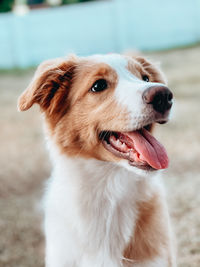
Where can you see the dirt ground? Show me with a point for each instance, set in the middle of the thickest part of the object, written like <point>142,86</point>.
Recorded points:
<point>24,165</point>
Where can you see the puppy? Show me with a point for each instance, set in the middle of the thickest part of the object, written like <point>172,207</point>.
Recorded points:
<point>104,204</point>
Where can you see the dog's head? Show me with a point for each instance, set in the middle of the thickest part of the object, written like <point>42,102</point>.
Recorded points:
<point>103,107</point>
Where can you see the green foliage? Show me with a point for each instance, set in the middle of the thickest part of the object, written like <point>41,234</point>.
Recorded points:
<point>6,5</point>
<point>70,1</point>
<point>74,1</point>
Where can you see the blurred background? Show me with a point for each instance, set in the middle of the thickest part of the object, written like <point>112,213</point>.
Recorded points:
<point>34,30</point>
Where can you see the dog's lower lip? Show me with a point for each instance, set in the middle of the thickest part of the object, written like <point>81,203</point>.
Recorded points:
<point>144,167</point>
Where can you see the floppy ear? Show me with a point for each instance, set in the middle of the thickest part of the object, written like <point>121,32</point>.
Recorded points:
<point>50,85</point>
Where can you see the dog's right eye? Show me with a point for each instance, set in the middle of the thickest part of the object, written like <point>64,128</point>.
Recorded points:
<point>99,85</point>
<point>145,78</point>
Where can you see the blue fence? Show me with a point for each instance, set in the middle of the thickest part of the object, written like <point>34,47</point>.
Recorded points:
<point>97,27</point>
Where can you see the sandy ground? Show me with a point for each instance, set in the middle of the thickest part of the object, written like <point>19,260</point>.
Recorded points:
<point>24,165</point>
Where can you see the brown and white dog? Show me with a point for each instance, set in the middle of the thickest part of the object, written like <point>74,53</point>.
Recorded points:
<point>104,205</point>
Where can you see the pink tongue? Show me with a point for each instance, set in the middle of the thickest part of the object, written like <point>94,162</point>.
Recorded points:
<point>149,149</point>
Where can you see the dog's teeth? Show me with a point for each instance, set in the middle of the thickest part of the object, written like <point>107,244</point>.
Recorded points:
<point>113,137</point>
<point>118,142</point>
<point>123,145</point>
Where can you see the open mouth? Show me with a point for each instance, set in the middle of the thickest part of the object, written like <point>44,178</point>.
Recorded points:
<point>139,147</point>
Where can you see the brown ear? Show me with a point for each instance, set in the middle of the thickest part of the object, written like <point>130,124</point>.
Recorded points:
<point>50,85</point>
<point>152,69</point>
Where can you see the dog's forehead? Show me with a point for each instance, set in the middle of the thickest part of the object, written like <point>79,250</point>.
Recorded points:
<point>117,62</point>
<point>113,60</point>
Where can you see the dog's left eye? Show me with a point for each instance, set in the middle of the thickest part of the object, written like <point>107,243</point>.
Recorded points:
<point>99,85</point>
<point>145,78</point>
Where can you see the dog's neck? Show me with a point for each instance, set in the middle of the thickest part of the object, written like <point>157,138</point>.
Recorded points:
<point>97,174</point>
<point>101,177</point>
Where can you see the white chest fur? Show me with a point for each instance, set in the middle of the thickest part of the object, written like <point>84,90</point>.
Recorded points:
<point>90,212</point>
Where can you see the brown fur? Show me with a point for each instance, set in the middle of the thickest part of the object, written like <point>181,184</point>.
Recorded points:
<point>150,235</point>
<point>140,66</point>
<point>71,111</point>
<point>155,74</point>
<point>49,88</point>
<point>77,133</point>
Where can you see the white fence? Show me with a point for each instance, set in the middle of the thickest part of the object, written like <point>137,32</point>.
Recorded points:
<point>97,27</point>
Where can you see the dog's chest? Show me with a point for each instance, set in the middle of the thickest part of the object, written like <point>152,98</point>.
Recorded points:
<point>97,201</point>
<point>97,204</point>
<point>107,217</point>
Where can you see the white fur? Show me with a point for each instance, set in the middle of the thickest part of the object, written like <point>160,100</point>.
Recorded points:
<point>90,209</point>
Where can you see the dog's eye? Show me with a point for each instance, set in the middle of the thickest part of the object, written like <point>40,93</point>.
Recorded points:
<point>145,78</point>
<point>99,85</point>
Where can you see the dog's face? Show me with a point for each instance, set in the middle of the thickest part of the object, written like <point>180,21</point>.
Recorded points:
<point>103,107</point>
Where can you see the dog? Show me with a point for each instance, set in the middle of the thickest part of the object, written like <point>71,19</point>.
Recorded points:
<point>104,204</point>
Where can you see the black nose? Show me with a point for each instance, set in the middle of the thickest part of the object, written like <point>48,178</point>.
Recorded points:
<point>160,97</point>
